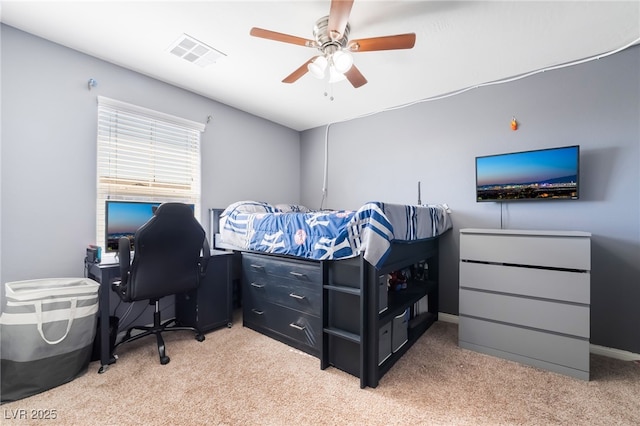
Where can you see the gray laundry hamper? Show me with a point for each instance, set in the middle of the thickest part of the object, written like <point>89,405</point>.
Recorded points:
<point>46,334</point>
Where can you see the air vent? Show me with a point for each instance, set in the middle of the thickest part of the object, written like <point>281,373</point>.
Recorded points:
<point>195,51</point>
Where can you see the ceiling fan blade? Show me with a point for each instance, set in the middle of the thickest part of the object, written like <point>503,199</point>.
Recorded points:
<point>400,41</point>
<point>355,77</point>
<point>285,38</point>
<point>294,76</point>
<point>338,17</point>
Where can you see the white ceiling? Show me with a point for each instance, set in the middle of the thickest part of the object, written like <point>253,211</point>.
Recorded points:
<point>459,45</point>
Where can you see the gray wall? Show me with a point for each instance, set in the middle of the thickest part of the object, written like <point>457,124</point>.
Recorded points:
<point>595,105</point>
<point>48,152</point>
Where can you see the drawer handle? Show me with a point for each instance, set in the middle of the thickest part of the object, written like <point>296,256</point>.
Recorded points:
<point>297,274</point>
<point>257,267</point>
<point>256,285</point>
<point>296,326</point>
<point>296,296</point>
<point>255,311</point>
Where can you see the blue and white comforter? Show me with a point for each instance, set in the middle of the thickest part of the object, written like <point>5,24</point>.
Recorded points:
<point>323,235</point>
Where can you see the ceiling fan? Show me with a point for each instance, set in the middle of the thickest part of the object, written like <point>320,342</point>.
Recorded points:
<point>331,39</point>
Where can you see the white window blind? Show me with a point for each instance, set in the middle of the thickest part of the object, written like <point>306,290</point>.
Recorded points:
<point>145,155</point>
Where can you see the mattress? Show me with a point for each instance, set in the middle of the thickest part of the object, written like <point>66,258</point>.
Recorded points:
<point>330,234</point>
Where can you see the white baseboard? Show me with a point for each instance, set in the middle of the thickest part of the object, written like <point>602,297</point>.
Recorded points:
<point>447,317</point>
<point>614,353</point>
<point>594,349</point>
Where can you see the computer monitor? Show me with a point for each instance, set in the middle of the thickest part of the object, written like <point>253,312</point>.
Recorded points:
<point>123,218</point>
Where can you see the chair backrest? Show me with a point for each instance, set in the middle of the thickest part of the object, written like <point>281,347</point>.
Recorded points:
<point>166,256</point>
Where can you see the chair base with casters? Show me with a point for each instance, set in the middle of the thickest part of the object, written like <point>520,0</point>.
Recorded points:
<point>158,328</point>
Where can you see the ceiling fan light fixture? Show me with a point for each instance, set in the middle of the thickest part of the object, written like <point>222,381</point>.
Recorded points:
<point>335,75</point>
<point>331,39</point>
<point>318,66</point>
<point>342,61</point>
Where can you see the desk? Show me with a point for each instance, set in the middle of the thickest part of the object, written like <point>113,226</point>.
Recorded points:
<point>207,307</point>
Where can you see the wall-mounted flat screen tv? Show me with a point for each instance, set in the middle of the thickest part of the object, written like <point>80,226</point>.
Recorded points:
<point>544,174</point>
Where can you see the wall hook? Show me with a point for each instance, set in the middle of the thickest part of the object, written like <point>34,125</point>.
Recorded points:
<point>92,83</point>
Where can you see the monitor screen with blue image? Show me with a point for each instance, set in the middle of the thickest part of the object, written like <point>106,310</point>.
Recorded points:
<point>123,218</point>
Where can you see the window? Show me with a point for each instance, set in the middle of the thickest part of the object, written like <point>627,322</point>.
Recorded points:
<point>144,155</point>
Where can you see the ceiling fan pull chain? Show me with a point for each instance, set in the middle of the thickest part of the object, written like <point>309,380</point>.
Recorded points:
<point>329,92</point>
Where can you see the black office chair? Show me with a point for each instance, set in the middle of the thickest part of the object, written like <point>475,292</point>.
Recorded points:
<point>167,260</point>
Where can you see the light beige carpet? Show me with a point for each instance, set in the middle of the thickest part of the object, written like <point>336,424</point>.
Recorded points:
<point>239,377</point>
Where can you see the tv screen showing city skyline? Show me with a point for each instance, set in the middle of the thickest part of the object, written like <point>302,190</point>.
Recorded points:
<point>540,174</point>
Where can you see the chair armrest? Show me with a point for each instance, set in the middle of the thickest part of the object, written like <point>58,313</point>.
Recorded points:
<point>206,254</point>
<point>124,260</point>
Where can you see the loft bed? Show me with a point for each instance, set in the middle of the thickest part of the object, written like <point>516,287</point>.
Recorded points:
<point>318,280</point>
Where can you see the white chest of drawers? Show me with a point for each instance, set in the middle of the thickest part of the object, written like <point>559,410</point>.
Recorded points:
<point>525,296</point>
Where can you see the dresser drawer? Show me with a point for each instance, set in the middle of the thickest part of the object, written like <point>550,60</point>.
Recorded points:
<point>533,313</point>
<point>554,251</point>
<point>552,348</point>
<point>287,283</point>
<point>300,327</point>
<point>288,293</point>
<point>534,282</point>
<point>255,267</point>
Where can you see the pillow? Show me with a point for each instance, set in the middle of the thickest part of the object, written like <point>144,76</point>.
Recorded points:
<point>292,208</point>
<point>249,206</point>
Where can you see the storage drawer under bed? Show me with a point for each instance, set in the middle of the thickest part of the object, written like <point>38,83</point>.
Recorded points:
<point>285,283</point>
<point>256,266</point>
<point>297,326</point>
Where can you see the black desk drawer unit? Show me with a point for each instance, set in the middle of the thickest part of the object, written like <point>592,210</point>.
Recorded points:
<point>210,305</point>
<point>282,298</point>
